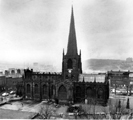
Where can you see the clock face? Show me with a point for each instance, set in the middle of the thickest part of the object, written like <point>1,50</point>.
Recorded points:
<point>69,70</point>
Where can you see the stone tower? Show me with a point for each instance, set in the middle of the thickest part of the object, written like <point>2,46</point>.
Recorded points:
<point>71,63</point>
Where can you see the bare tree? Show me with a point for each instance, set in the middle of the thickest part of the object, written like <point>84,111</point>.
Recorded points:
<point>128,104</point>
<point>46,111</point>
<point>89,109</point>
<point>116,109</point>
<point>106,112</point>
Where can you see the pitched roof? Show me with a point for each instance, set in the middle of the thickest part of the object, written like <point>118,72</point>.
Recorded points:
<point>92,77</point>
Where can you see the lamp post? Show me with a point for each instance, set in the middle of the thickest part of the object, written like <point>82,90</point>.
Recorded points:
<point>115,87</point>
<point>76,114</point>
<point>119,105</point>
<point>128,105</point>
<point>118,114</point>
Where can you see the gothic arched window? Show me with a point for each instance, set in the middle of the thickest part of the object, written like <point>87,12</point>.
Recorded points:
<point>62,93</point>
<point>45,89</point>
<point>78,91</point>
<point>69,64</point>
<point>89,92</point>
<point>100,93</point>
<point>28,88</point>
<point>52,89</point>
<point>36,88</point>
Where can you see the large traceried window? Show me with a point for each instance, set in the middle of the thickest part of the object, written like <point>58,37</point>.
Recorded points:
<point>45,89</point>
<point>62,92</point>
<point>100,93</point>
<point>78,91</point>
<point>89,92</point>
<point>52,90</point>
<point>28,88</point>
<point>36,88</point>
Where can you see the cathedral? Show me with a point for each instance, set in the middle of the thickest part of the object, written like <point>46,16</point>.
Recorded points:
<point>71,85</point>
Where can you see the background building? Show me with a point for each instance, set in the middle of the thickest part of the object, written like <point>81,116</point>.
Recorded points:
<point>121,80</point>
<point>2,83</point>
<point>40,86</point>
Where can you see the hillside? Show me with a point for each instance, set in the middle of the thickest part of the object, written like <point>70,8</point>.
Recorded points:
<point>107,64</point>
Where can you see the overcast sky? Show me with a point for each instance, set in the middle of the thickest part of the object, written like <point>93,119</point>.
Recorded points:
<point>37,30</point>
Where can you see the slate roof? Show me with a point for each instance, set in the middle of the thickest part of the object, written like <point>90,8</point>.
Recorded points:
<point>92,77</point>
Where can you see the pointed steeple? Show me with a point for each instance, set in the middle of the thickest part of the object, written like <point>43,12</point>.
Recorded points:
<point>83,79</point>
<point>72,43</point>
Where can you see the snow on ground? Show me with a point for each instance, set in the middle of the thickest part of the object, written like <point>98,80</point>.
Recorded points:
<point>21,106</point>
<point>13,114</point>
<point>30,107</point>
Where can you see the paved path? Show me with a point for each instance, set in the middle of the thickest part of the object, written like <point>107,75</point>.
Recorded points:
<point>124,117</point>
<point>62,110</point>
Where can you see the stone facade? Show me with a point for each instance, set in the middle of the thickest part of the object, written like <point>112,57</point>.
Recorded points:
<point>119,78</point>
<point>40,86</point>
<point>92,91</point>
<point>66,87</point>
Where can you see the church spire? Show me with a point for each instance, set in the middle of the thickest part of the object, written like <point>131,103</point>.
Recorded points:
<point>72,43</point>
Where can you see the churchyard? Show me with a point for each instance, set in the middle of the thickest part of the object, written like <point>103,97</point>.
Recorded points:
<point>29,109</point>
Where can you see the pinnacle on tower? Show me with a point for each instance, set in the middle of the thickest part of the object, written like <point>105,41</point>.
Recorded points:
<point>72,43</point>
<point>63,51</point>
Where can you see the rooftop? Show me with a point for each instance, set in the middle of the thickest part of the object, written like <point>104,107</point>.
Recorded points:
<point>92,77</point>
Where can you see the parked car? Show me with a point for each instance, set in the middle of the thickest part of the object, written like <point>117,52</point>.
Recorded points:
<point>5,94</point>
<point>75,108</point>
<point>12,92</point>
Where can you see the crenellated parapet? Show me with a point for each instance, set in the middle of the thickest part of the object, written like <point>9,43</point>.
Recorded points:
<point>30,75</point>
